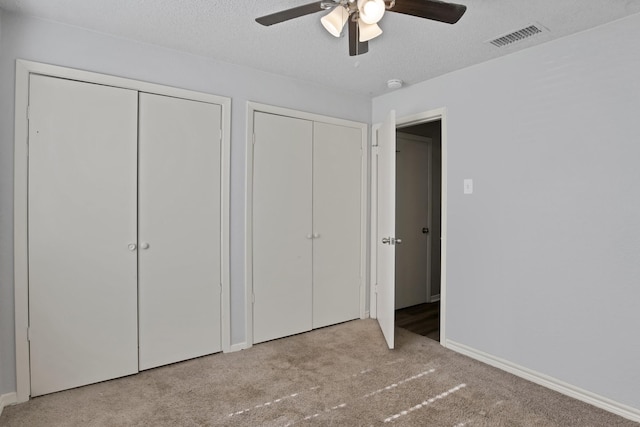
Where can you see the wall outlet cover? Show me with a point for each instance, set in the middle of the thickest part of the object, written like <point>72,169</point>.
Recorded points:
<point>468,186</point>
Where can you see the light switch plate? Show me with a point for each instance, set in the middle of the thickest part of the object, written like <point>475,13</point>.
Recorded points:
<point>468,186</point>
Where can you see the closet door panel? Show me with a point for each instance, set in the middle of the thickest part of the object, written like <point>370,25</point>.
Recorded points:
<point>179,229</point>
<point>337,160</point>
<point>281,222</point>
<point>82,219</point>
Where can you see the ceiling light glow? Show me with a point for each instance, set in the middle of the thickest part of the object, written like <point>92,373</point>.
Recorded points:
<point>371,11</point>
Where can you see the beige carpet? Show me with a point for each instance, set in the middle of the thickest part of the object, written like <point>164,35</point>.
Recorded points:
<point>337,376</point>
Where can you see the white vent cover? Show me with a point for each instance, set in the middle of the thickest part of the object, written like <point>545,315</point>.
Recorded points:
<point>518,35</point>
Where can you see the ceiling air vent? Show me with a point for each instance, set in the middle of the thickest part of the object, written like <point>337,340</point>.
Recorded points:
<point>518,35</point>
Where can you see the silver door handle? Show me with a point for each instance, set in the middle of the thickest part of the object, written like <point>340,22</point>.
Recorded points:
<point>391,241</point>
<point>132,247</point>
<point>145,245</point>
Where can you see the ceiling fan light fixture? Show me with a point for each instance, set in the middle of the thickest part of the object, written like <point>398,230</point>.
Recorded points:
<point>334,21</point>
<point>368,31</point>
<point>371,11</point>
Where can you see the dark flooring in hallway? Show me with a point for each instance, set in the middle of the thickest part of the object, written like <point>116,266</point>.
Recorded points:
<point>422,319</point>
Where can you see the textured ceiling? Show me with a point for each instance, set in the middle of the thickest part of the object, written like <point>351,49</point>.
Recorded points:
<point>411,49</point>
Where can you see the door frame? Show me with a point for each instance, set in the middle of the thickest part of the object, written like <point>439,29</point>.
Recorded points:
<point>21,163</point>
<point>253,107</point>
<point>402,122</point>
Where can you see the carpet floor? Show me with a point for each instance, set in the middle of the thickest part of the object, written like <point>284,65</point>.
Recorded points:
<point>337,376</point>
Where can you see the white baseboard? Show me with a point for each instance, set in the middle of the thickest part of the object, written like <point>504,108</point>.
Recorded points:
<point>567,389</point>
<point>434,298</point>
<point>7,399</point>
<point>366,315</point>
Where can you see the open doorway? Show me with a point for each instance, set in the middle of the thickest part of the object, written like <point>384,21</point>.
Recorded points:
<point>418,226</point>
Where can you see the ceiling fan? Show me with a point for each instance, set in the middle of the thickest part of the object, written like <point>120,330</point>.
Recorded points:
<point>363,16</point>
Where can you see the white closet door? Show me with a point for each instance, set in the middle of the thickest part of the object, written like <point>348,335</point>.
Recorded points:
<point>337,160</point>
<point>82,233</point>
<point>179,229</point>
<point>282,232</point>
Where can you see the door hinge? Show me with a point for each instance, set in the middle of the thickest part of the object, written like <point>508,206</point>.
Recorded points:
<point>28,334</point>
<point>28,112</point>
<point>253,139</point>
<point>220,288</point>
<point>221,134</point>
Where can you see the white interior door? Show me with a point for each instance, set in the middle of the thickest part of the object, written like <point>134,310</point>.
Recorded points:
<point>282,226</point>
<point>179,229</point>
<point>385,288</point>
<point>337,160</point>
<point>82,233</point>
<point>413,158</point>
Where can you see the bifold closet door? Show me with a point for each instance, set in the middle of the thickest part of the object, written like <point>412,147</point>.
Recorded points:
<point>337,176</point>
<point>82,233</point>
<point>282,226</point>
<point>179,232</point>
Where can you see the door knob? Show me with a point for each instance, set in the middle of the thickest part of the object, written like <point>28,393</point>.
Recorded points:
<point>316,235</point>
<point>132,247</point>
<point>425,230</point>
<point>391,241</point>
<point>309,236</point>
<point>144,245</point>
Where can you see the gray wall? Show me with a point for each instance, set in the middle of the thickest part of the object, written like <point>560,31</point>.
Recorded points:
<point>544,258</point>
<point>43,41</point>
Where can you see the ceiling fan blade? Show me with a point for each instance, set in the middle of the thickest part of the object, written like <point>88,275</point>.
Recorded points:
<point>295,12</point>
<point>356,47</point>
<point>448,13</point>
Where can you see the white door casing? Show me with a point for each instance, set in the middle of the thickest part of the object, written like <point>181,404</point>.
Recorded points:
<point>423,117</point>
<point>82,233</point>
<point>282,226</point>
<point>386,227</point>
<point>25,70</point>
<point>336,217</point>
<point>337,159</point>
<point>179,229</point>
